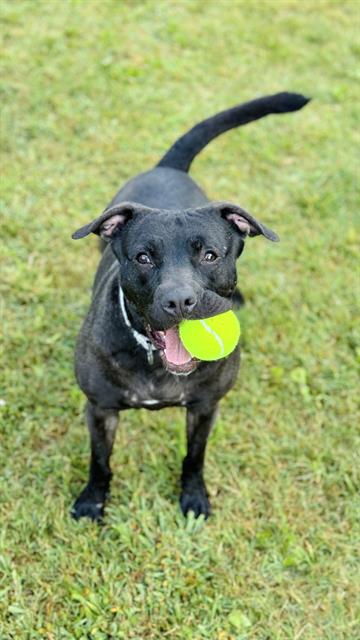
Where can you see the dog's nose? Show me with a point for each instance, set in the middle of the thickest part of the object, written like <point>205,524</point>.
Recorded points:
<point>179,303</point>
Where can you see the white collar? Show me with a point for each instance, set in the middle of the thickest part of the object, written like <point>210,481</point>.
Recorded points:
<point>142,340</point>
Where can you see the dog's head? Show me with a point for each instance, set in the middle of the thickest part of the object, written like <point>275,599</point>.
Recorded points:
<point>176,265</point>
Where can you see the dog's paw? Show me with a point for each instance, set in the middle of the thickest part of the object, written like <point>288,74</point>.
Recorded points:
<point>89,505</point>
<point>194,498</point>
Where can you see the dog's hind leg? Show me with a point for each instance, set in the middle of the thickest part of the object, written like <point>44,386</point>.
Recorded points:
<point>102,427</point>
<point>194,496</point>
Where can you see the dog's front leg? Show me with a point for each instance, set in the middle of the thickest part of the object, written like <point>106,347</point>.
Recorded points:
<point>194,496</point>
<point>102,427</point>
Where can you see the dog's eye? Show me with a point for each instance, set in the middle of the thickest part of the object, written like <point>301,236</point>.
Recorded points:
<point>143,258</point>
<point>210,256</point>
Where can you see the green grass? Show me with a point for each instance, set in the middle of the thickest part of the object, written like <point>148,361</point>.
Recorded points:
<point>93,92</point>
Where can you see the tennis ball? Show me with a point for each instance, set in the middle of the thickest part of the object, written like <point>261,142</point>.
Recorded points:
<point>211,338</point>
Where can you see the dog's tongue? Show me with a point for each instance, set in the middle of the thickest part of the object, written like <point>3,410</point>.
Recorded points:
<point>175,352</point>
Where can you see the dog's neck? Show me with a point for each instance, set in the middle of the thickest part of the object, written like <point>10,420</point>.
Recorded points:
<point>131,321</point>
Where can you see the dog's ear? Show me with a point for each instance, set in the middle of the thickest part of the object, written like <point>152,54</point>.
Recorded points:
<point>111,220</point>
<point>243,221</point>
<point>108,223</point>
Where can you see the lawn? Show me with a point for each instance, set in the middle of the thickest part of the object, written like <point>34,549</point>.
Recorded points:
<point>94,92</point>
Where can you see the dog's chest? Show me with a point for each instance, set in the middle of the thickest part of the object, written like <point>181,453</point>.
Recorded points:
<point>145,391</point>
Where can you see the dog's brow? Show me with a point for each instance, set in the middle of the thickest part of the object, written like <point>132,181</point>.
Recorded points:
<point>196,242</point>
<point>153,245</point>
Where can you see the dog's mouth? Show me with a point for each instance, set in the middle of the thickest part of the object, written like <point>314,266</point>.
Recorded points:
<point>175,357</point>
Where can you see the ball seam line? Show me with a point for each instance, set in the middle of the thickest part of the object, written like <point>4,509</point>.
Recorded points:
<point>219,341</point>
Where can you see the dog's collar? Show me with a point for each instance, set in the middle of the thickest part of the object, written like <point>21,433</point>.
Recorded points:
<point>142,340</point>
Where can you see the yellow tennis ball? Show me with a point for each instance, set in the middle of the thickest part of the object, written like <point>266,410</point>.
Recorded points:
<point>212,338</point>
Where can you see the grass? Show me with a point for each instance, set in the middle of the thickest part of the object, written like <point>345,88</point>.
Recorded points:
<point>93,92</point>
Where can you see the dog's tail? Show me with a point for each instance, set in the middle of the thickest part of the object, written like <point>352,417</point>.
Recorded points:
<point>184,150</point>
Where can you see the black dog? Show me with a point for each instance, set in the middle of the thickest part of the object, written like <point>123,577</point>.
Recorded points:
<point>172,255</point>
